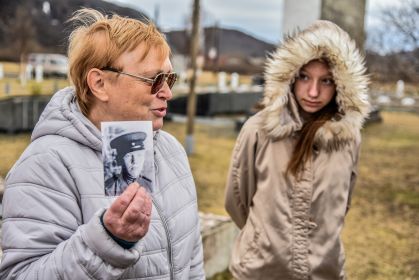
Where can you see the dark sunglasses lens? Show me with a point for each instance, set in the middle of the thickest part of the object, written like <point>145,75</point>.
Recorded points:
<point>160,79</point>
<point>158,83</point>
<point>171,79</point>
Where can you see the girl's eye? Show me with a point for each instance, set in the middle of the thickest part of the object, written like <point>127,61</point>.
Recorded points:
<point>328,81</point>
<point>302,77</point>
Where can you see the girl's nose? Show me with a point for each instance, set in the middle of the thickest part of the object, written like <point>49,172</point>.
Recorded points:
<point>314,90</point>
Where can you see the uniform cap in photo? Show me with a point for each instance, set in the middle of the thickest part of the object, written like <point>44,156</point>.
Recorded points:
<point>128,142</point>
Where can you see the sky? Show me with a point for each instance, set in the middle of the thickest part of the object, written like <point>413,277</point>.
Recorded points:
<point>259,18</point>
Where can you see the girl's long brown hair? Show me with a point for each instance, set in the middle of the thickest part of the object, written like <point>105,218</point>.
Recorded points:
<point>304,148</point>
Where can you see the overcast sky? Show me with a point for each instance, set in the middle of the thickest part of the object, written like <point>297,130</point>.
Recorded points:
<point>259,18</point>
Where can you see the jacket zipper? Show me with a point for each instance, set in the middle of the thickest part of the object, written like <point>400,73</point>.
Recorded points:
<point>169,244</point>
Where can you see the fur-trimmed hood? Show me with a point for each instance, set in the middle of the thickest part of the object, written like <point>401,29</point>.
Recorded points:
<point>322,39</point>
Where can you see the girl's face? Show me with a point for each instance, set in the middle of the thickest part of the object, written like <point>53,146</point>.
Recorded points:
<point>314,87</point>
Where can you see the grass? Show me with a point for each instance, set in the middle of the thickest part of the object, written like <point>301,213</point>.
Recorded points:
<point>381,231</point>
<point>13,87</point>
<point>12,147</point>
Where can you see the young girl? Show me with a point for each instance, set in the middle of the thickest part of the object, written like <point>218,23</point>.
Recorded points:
<point>294,164</point>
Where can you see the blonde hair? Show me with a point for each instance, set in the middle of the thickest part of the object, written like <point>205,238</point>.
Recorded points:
<point>98,40</point>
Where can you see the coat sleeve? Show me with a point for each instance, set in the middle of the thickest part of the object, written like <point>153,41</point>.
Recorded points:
<point>44,235</point>
<point>197,261</point>
<point>241,180</point>
<point>354,174</point>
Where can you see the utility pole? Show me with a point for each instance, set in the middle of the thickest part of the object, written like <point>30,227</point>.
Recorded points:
<point>191,109</point>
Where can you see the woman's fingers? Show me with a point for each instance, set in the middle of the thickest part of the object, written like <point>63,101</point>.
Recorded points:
<point>129,216</point>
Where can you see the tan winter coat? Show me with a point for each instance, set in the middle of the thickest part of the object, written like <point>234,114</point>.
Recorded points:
<point>290,229</point>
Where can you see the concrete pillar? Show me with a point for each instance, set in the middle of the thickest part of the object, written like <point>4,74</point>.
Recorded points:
<point>298,14</point>
<point>349,15</point>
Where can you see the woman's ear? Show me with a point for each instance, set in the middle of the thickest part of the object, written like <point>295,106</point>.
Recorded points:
<point>96,82</point>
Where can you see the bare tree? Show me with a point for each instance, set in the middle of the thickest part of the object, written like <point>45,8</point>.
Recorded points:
<point>404,20</point>
<point>191,107</point>
<point>393,45</point>
<point>398,29</point>
<point>20,32</point>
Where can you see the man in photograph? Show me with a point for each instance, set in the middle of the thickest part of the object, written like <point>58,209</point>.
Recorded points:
<point>130,157</point>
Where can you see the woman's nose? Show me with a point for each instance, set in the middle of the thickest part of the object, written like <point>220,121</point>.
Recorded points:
<point>165,92</point>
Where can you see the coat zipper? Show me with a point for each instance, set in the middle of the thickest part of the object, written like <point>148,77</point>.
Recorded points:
<point>169,244</point>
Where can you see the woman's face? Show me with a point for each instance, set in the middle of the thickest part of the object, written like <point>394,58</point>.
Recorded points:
<point>131,99</point>
<point>314,87</point>
<point>134,162</point>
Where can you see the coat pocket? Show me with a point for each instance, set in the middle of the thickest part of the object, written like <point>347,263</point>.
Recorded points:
<point>250,244</point>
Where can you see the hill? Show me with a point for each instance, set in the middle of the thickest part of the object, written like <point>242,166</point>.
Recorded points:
<point>34,26</point>
<point>31,26</point>
<point>233,50</point>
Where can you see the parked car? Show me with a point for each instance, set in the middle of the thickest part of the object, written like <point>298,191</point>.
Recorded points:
<point>53,65</point>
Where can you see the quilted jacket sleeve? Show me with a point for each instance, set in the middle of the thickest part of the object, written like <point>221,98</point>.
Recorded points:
<point>197,262</point>
<point>241,181</point>
<point>44,236</point>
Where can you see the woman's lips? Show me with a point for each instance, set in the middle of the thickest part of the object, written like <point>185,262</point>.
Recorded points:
<point>159,112</point>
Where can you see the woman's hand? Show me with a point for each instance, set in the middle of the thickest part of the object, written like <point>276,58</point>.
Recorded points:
<point>128,218</point>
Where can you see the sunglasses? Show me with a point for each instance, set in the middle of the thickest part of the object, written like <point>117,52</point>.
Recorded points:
<point>156,83</point>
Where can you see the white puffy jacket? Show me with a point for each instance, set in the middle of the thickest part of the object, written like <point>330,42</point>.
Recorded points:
<point>55,194</point>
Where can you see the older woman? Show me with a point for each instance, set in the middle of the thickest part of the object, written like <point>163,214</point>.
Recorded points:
<point>58,222</point>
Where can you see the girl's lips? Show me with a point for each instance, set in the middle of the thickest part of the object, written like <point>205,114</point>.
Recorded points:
<point>159,112</point>
<point>312,104</point>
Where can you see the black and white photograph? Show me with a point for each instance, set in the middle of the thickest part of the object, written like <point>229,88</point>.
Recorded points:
<point>127,155</point>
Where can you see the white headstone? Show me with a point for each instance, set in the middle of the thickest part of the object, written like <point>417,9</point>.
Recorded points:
<point>400,88</point>
<point>28,71</point>
<point>222,81</point>
<point>7,88</point>
<point>23,80</point>
<point>39,73</point>
<point>46,7</point>
<point>234,81</point>
<point>212,53</point>
<point>408,101</point>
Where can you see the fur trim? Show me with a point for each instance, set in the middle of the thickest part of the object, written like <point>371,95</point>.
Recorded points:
<point>321,39</point>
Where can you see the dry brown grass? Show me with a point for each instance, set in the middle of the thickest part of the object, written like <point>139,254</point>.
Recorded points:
<point>12,147</point>
<point>47,86</point>
<point>209,163</point>
<point>381,232</point>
